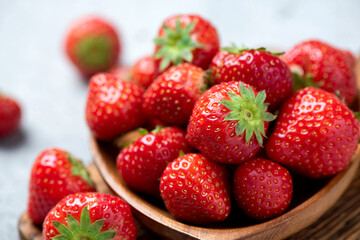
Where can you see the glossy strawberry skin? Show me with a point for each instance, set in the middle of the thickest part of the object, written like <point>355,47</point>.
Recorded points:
<point>113,106</point>
<point>171,97</point>
<point>211,135</point>
<point>262,188</point>
<point>195,189</point>
<point>142,163</point>
<point>331,68</point>
<point>260,69</point>
<point>204,33</point>
<point>144,71</point>
<point>114,210</point>
<point>80,45</point>
<point>316,134</point>
<point>10,115</point>
<point>51,179</point>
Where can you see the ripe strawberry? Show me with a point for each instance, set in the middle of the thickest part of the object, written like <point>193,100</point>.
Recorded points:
<point>142,163</point>
<point>228,122</point>
<point>262,189</point>
<point>195,189</point>
<point>171,97</point>
<point>327,67</point>
<point>10,115</point>
<point>92,44</point>
<point>90,216</point>
<point>350,57</point>
<point>55,174</point>
<point>144,71</point>
<point>121,72</point>
<point>316,134</point>
<point>257,67</point>
<point>113,106</point>
<point>188,38</point>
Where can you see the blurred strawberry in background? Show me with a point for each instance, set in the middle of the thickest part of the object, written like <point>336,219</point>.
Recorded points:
<point>10,115</point>
<point>93,45</point>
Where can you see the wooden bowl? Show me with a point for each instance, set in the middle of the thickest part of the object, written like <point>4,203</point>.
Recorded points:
<point>311,200</point>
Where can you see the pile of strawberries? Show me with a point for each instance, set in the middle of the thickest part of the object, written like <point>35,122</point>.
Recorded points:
<point>219,128</point>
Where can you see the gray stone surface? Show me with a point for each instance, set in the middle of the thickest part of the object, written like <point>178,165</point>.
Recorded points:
<point>34,70</point>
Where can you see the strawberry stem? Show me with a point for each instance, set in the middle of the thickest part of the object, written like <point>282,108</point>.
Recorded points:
<point>249,111</point>
<point>176,46</point>
<point>78,169</point>
<point>94,51</point>
<point>236,50</point>
<point>303,81</point>
<point>83,230</point>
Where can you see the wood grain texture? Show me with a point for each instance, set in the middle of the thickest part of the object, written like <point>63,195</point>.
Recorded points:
<point>312,199</point>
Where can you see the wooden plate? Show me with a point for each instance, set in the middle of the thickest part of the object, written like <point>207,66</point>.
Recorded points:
<point>311,200</point>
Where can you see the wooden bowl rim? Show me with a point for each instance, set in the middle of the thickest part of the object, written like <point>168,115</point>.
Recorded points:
<point>154,212</point>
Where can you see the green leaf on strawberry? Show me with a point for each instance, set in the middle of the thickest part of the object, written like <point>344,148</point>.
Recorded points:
<point>83,230</point>
<point>250,111</point>
<point>78,169</point>
<point>176,45</point>
<point>236,50</point>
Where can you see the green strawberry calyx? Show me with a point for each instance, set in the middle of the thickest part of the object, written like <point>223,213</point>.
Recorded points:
<point>304,81</point>
<point>176,46</point>
<point>94,51</point>
<point>249,111</point>
<point>83,230</point>
<point>78,169</point>
<point>237,50</point>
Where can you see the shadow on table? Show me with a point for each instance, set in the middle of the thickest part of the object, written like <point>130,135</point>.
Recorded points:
<point>13,140</point>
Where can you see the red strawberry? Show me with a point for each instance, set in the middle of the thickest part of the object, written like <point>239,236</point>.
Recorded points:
<point>171,97</point>
<point>229,122</point>
<point>257,67</point>
<point>55,174</point>
<point>93,45</point>
<point>350,57</point>
<point>327,67</point>
<point>90,216</point>
<point>262,188</point>
<point>142,163</point>
<point>188,38</point>
<point>195,189</point>
<point>10,115</point>
<point>113,106</point>
<point>121,72</point>
<point>144,71</point>
<point>316,134</point>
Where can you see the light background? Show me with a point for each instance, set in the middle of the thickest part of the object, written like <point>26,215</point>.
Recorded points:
<point>34,70</point>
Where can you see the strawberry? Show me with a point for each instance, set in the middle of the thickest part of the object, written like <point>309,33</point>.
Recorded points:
<point>324,66</point>
<point>10,115</point>
<point>350,57</point>
<point>113,106</point>
<point>257,67</point>
<point>91,216</point>
<point>144,71</point>
<point>121,72</point>
<point>55,174</point>
<point>228,122</point>
<point>316,134</point>
<point>142,163</point>
<point>188,38</point>
<point>195,189</point>
<point>171,97</point>
<point>262,188</point>
<point>92,44</point>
